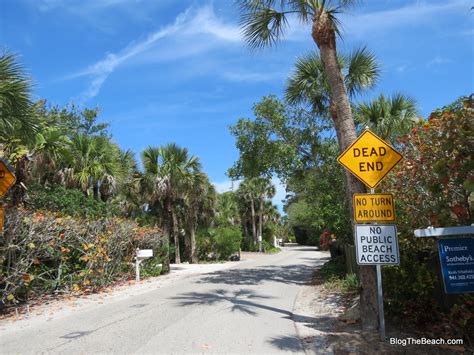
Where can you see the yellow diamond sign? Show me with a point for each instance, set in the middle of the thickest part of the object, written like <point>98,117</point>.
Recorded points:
<point>7,178</point>
<point>369,158</point>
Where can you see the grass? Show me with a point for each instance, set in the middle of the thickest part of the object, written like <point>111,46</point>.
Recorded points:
<point>333,277</point>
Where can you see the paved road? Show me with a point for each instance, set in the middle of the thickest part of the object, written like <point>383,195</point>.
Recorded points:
<point>247,308</point>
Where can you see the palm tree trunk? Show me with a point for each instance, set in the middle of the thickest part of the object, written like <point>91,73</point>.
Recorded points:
<point>254,227</point>
<point>95,190</point>
<point>192,237</point>
<point>324,35</point>
<point>166,261</point>
<point>174,219</point>
<point>260,226</point>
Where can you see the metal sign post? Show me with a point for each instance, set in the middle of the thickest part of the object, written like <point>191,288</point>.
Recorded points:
<point>456,256</point>
<point>380,302</point>
<point>370,159</point>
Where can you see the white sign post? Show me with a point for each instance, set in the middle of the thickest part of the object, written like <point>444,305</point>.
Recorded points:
<point>377,244</point>
<point>141,255</point>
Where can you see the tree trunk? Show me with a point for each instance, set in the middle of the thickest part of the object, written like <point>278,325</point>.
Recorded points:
<point>166,262</point>
<point>254,227</point>
<point>174,218</point>
<point>260,226</point>
<point>324,36</point>
<point>19,191</point>
<point>192,237</point>
<point>95,190</point>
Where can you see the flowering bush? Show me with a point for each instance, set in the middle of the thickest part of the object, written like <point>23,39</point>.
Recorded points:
<point>326,240</point>
<point>433,185</point>
<point>44,252</point>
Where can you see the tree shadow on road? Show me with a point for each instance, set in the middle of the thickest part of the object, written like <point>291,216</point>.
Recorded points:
<point>242,300</point>
<point>286,343</point>
<point>289,274</point>
<point>246,301</point>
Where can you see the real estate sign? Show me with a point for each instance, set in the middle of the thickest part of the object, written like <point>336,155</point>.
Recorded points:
<point>457,264</point>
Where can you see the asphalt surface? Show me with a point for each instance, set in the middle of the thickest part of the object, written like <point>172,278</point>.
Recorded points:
<point>246,308</point>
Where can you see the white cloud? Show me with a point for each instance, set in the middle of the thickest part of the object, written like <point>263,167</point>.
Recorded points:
<point>226,186</point>
<point>415,14</point>
<point>438,60</point>
<point>190,23</point>
<point>401,68</point>
<point>245,76</point>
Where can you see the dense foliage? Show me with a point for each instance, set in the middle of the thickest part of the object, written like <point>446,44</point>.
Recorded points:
<point>66,163</point>
<point>433,186</point>
<point>45,252</point>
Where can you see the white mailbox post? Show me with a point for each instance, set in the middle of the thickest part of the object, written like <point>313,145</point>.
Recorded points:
<point>141,255</point>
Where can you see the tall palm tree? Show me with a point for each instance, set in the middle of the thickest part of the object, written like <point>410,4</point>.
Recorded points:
<point>199,206</point>
<point>309,84</point>
<point>168,170</point>
<point>264,22</point>
<point>248,192</point>
<point>266,190</point>
<point>389,117</point>
<point>227,209</point>
<point>126,169</point>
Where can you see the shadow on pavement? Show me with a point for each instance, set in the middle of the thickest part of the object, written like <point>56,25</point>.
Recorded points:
<point>287,343</point>
<point>244,301</point>
<point>241,300</point>
<point>289,274</point>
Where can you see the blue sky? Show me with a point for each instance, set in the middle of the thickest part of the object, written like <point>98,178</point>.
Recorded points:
<point>178,71</point>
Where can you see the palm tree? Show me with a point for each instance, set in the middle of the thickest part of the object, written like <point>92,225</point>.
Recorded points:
<point>389,117</point>
<point>93,158</point>
<point>126,169</point>
<point>227,209</point>
<point>265,190</point>
<point>199,206</point>
<point>168,171</point>
<point>248,192</point>
<point>309,83</point>
<point>51,152</point>
<point>264,22</point>
<point>17,116</point>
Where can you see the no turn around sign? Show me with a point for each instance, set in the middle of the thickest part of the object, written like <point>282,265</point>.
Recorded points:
<point>377,244</point>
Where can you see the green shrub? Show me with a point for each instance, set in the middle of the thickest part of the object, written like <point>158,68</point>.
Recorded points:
<point>68,202</point>
<point>334,268</point>
<point>227,241</point>
<point>269,248</point>
<point>218,243</point>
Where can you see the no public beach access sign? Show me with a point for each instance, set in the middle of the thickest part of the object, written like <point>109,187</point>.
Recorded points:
<point>377,244</point>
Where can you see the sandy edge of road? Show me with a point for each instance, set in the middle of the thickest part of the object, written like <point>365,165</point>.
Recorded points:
<point>62,307</point>
<point>312,307</point>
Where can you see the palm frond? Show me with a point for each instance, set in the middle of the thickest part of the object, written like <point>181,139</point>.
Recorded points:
<point>363,71</point>
<point>262,26</point>
<point>308,84</point>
